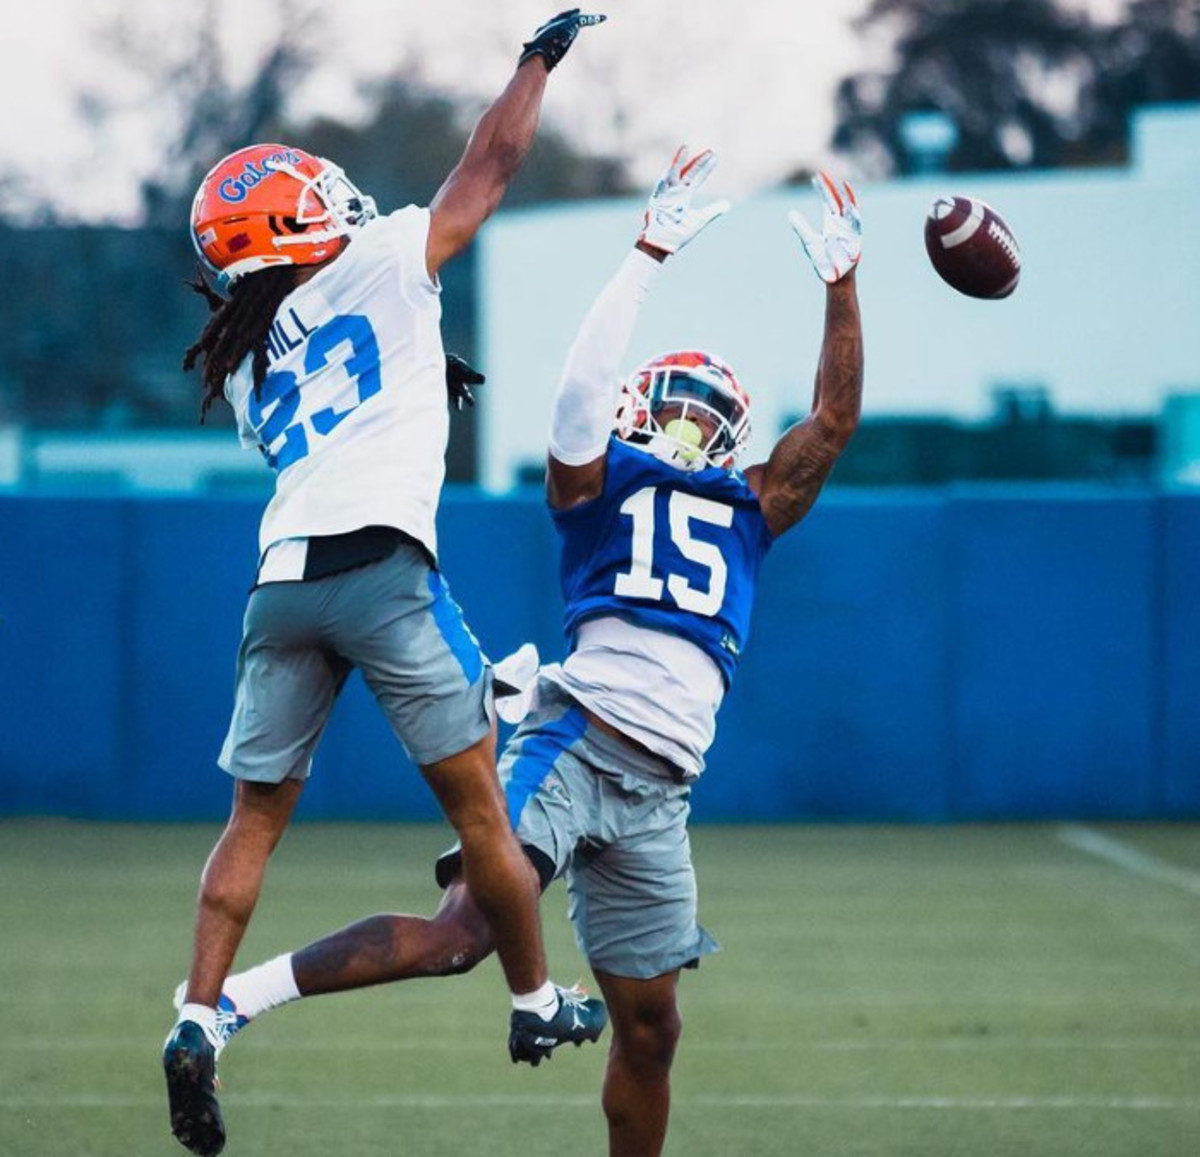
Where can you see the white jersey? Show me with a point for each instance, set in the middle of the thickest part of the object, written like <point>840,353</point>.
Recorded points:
<point>657,688</point>
<point>353,413</point>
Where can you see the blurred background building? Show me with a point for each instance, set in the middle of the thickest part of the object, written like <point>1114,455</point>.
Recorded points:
<point>1071,118</point>
<point>1068,379</point>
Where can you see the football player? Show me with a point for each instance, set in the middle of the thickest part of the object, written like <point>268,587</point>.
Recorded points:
<point>662,537</point>
<point>328,349</point>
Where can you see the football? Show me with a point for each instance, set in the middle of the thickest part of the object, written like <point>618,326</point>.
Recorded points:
<point>972,248</point>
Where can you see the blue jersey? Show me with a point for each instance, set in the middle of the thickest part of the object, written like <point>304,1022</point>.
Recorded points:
<point>670,550</point>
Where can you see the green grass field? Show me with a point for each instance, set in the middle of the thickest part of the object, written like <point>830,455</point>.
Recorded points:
<point>999,990</point>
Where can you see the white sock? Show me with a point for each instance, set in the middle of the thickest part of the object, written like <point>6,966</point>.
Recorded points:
<point>205,1017</point>
<point>263,987</point>
<point>544,1001</point>
<point>202,1015</point>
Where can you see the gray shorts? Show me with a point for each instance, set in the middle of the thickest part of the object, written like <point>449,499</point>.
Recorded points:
<point>608,818</point>
<point>395,621</point>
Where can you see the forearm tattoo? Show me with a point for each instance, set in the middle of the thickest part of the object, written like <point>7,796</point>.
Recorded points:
<point>804,456</point>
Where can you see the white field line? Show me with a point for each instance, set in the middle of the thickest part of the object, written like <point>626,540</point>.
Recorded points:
<point>588,1101</point>
<point>851,1044</point>
<point>990,1043</point>
<point>1121,855</point>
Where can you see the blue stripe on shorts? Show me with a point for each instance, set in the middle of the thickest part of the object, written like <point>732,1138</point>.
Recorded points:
<point>537,757</point>
<point>449,619</point>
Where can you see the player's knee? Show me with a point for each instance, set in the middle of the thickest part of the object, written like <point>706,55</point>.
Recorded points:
<point>467,790</point>
<point>650,1038</point>
<point>460,936</point>
<point>261,811</point>
<point>469,795</point>
<point>221,893</point>
<point>457,953</point>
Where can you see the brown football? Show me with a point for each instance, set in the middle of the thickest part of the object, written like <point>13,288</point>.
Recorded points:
<point>971,247</point>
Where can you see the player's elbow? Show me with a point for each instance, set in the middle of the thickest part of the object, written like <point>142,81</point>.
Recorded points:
<point>836,426</point>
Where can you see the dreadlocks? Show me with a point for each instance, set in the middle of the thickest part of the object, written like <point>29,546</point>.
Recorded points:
<point>239,324</point>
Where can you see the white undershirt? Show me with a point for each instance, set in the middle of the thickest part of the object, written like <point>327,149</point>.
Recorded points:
<point>586,403</point>
<point>654,687</point>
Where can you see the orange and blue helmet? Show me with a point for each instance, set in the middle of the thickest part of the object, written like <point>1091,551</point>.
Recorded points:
<point>686,408</point>
<point>273,205</point>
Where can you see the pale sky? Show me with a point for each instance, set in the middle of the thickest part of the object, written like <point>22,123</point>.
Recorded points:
<point>752,80</point>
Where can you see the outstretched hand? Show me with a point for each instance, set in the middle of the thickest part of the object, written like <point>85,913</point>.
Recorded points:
<point>552,40</point>
<point>837,249</point>
<point>460,377</point>
<point>671,221</point>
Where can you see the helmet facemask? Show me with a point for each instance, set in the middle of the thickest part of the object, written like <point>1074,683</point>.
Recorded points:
<point>692,416</point>
<point>329,198</point>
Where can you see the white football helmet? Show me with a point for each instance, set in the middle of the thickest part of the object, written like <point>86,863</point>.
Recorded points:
<point>662,400</point>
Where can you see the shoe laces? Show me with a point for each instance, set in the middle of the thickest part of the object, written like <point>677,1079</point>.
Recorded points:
<point>229,1020</point>
<point>574,997</point>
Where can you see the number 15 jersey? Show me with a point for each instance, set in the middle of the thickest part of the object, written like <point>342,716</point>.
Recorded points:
<point>352,415</point>
<point>673,551</point>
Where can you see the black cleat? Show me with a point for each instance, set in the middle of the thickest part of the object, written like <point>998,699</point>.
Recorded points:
<point>578,1019</point>
<point>190,1064</point>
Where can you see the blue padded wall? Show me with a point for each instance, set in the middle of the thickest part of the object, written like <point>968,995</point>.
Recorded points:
<point>1054,696</point>
<point>915,656</point>
<point>1179,682</point>
<point>65,654</point>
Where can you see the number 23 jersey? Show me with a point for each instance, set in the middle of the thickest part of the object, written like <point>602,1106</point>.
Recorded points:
<point>352,415</point>
<point>666,549</point>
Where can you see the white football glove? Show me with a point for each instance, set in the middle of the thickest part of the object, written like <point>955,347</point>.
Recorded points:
<point>838,247</point>
<point>670,221</point>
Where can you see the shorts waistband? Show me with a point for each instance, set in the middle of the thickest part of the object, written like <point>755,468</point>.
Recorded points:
<point>323,555</point>
<point>618,751</point>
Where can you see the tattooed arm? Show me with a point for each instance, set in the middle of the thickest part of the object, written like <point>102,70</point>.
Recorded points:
<point>788,483</point>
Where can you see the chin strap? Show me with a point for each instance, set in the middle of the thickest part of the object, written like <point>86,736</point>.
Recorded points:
<point>310,238</point>
<point>669,448</point>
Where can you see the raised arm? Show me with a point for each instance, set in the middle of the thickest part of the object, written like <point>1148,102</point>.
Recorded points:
<point>499,143</point>
<point>790,480</point>
<point>586,402</point>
